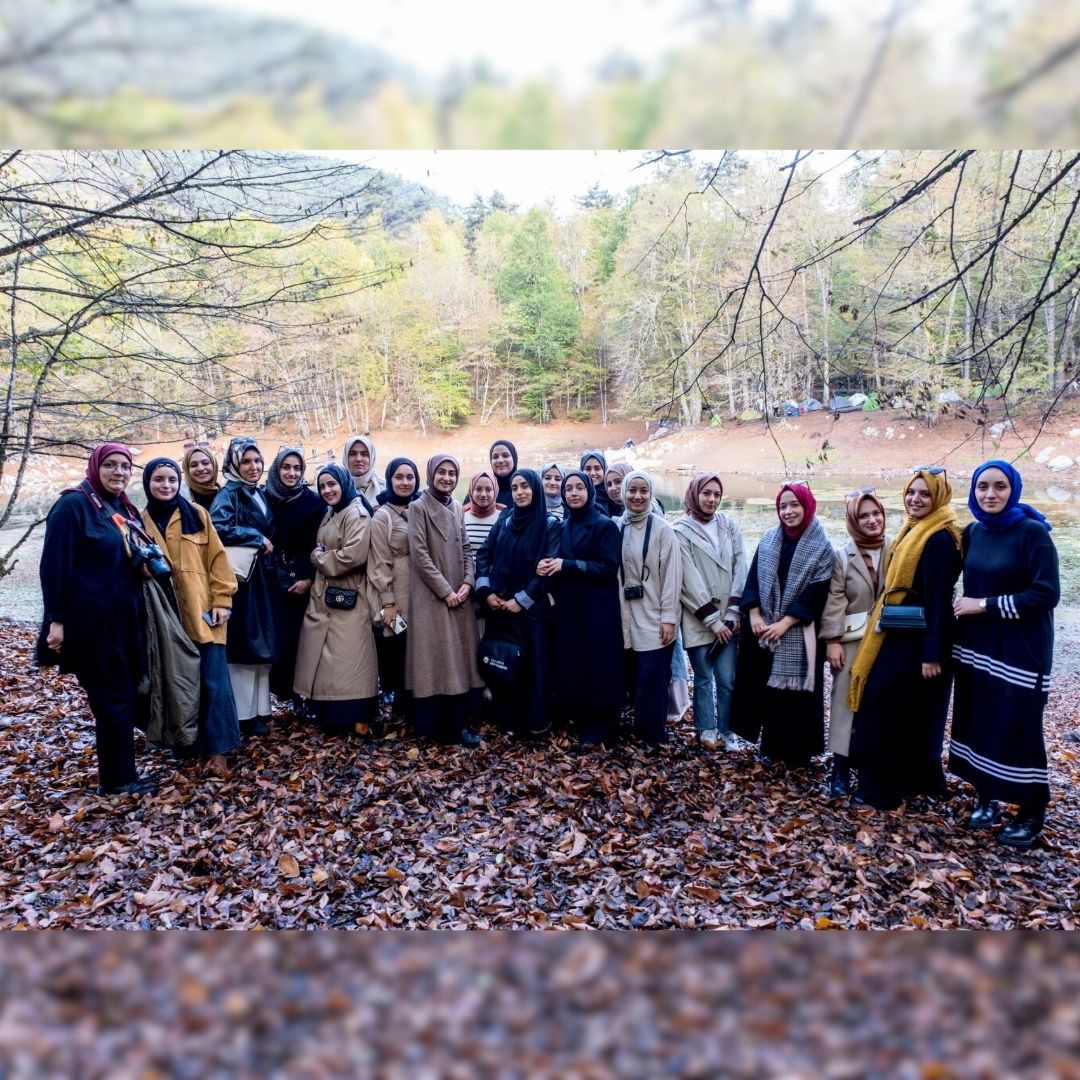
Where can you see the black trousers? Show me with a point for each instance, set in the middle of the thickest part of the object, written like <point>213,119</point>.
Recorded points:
<point>648,674</point>
<point>114,709</point>
<point>444,716</point>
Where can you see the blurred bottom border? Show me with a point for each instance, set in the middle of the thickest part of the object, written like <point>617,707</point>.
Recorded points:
<point>392,1004</point>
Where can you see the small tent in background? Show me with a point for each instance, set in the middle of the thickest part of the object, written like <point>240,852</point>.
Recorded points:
<point>810,405</point>
<point>871,404</point>
<point>841,404</point>
<point>715,421</point>
<point>858,400</point>
<point>791,408</point>
<point>750,414</point>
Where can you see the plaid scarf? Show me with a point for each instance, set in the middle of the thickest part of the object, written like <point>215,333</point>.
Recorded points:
<point>792,664</point>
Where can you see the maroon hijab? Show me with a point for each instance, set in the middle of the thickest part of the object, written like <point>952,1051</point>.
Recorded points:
<point>93,477</point>
<point>806,500</point>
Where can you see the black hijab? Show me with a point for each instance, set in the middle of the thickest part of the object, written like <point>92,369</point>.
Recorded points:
<point>276,491</point>
<point>161,511</point>
<point>503,482</point>
<point>348,487</point>
<point>387,494</point>
<point>603,503</point>
<point>582,524</point>
<point>524,538</point>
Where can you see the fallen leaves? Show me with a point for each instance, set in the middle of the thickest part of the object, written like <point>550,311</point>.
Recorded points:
<point>315,832</point>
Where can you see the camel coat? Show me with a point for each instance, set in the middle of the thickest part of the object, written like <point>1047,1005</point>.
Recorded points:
<point>388,564</point>
<point>850,591</point>
<point>202,577</point>
<point>336,657</point>
<point>440,656</point>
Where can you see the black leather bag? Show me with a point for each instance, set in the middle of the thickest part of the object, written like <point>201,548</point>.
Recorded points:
<point>290,570</point>
<point>902,616</point>
<point>340,599</point>
<point>499,661</point>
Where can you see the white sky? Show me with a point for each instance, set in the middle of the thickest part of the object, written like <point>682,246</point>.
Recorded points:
<point>565,39</point>
<point>528,177</point>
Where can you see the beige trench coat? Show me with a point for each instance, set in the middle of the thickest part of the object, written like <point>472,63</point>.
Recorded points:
<point>388,563</point>
<point>851,590</point>
<point>336,657</point>
<point>440,650</point>
<point>712,580</point>
<point>661,603</point>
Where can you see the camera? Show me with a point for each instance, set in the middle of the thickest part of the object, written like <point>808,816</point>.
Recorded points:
<point>730,624</point>
<point>634,592</point>
<point>152,557</point>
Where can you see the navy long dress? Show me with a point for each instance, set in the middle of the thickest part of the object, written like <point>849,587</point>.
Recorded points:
<point>88,585</point>
<point>900,728</point>
<point>791,723</point>
<point>586,642</point>
<point>524,706</point>
<point>1003,661</point>
<point>296,525</point>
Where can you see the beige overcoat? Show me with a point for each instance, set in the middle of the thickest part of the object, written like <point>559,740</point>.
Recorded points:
<point>440,650</point>
<point>203,577</point>
<point>388,563</point>
<point>712,579</point>
<point>851,590</point>
<point>336,657</point>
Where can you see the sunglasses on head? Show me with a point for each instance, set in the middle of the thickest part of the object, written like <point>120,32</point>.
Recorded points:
<point>933,470</point>
<point>859,491</point>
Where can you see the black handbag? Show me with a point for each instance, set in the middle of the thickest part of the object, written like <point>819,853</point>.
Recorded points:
<point>340,599</point>
<point>290,570</point>
<point>902,616</point>
<point>499,661</point>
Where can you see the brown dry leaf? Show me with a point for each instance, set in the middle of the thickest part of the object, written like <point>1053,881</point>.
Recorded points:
<point>288,865</point>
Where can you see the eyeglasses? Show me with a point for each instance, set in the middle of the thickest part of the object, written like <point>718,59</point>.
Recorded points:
<point>933,470</point>
<point>859,491</point>
<point>121,467</point>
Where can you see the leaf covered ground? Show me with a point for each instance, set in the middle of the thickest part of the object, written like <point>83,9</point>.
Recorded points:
<point>317,832</point>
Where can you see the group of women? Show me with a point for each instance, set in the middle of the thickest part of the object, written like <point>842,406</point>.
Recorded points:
<point>567,594</point>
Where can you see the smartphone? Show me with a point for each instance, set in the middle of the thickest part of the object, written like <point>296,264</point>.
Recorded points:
<point>208,618</point>
<point>400,625</point>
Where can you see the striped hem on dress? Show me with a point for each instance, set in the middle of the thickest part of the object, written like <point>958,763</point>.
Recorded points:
<point>1029,680</point>
<point>1012,773</point>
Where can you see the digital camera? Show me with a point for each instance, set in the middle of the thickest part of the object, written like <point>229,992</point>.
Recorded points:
<point>152,557</point>
<point>633,592</point>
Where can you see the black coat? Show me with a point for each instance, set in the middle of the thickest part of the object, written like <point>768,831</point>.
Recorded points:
<point>89,586</point>
<point>296,526</point>
<point>253,627</point>
<point>587,642</point>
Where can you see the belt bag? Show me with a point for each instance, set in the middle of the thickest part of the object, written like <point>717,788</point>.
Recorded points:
<point>341,599</point>
<point>854,626</point>
<point>902,616</point>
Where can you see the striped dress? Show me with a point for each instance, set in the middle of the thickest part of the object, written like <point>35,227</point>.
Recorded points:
<point>1002,663</point>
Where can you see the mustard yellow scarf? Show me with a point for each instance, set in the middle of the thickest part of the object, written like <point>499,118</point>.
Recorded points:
<point>901,562</point>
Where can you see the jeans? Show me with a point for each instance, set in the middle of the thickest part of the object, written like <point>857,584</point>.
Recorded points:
<point>712,709</point>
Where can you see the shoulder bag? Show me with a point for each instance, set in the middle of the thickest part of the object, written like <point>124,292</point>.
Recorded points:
<point>340,599</point>
<point>902,616</point>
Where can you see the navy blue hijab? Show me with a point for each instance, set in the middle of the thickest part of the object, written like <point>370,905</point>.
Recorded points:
<point>1014,510</point>
<point>387,494</point>
<point>161,511</point>
<point>348,487</point>
<point>523,538</point>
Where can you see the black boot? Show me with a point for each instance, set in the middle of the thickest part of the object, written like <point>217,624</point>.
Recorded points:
<point>141,785</point>
<point>986,815</point>
<point>1023,830</point>
<point>840,779</point>
<point>255,726</point>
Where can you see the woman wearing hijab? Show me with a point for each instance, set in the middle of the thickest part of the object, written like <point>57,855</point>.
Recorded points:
<point>586,640</point>
<point>94,610</point>
<point>651,573</point>
<point>515,598</point>
<point>200,470</point>
<point>440,654</point>
<point>297,512</point>
<point>335,666</point>
<point>900,679</point>
<point>359,459</point>
<point>778,685</point>
<point>388,576</point>
<point>503,457</point>
<point>1003,653</point>
<point>552,476</point>
<point>204,584</point>
<point>482,508</point>
<point>714,567</point>
<point>594,466</point>
<point>613,479</point>
<point>857,582</point>
<point>242,517</point>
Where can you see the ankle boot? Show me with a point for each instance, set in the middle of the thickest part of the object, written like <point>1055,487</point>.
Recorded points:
<point>1023,830</point>
<point>986,815</point>
<point>840,780</point>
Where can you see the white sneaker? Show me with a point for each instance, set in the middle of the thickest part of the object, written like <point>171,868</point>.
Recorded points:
<point>729,741</point>
<point>709,737</point>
